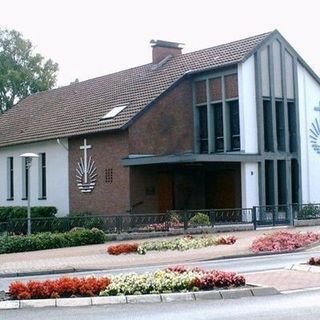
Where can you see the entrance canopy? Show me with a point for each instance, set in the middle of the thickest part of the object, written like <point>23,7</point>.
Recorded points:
<point>138,160</point>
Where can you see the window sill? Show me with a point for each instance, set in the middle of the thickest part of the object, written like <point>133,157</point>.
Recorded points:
<point>42,198</point>
<point>10,199</point>
<point>24,199</point>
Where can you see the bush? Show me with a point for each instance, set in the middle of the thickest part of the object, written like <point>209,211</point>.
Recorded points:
<point>8,213</point>
<point>63,287</point>
<point>15,218</point>
<point>42,241</point>
<point>200,219</point>
<point>85,219</point>
<point>309,211</point>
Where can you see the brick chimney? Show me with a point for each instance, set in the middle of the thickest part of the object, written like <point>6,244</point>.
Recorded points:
<point>162,49</point>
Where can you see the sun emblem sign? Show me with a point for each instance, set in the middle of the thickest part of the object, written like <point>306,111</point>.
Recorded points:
<point>315,133</point>
<point>86,171</point>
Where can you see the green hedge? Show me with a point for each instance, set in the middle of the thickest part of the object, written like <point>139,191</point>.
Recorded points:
<point>41,241</point>
<point>7,213</point>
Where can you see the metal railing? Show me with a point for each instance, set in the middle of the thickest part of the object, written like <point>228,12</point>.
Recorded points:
<point>177,219</point>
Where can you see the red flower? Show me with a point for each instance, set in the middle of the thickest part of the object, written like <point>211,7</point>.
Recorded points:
<point>122,248</point>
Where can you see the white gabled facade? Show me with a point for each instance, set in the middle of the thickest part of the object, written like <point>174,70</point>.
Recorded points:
<point>57,171</point>
<point>249,132</point>
<point>309,121</point>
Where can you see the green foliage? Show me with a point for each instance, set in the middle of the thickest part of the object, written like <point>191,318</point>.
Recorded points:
<point>42,241</point>
<point>85,220</point>
<point>200,219</point>
<point>309,211</point>
<point>7,213</point>
<point>173,216</point>
<point>22,72</point>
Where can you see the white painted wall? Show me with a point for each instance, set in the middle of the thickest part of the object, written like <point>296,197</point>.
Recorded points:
<point>309,97</point>
<point>247,106</point>
<point>249,185</point>
<point>57,175</point>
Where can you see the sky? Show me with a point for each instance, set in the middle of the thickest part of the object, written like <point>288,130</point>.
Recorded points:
<point>91,38</point>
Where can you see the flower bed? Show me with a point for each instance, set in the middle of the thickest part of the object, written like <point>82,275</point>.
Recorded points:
<point>173,279</point>
<point>314,261</point>
<point>62,287</point>
<point>181,244</point>
<point>283,241</point>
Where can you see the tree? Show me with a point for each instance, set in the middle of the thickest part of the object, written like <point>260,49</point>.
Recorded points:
<point>22,72</point>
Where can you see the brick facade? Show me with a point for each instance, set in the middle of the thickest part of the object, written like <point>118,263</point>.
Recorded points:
<point>111,193</point>
<point>166,128</point>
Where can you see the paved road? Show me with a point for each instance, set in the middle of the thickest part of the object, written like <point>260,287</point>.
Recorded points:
<point>240,265</point>
<point>302,305</point>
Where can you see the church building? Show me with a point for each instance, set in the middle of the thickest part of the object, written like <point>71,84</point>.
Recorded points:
<point>232,126</point>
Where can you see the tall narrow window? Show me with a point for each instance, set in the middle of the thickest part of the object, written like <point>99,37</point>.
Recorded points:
<point>234,125</point>
<point>282,185</point>
<point>267,124</point>
<point>280,126</point>
<point>42,176</point>
<point>218,127</point>
<point>25,179</point>
<point>203,125</point>
<point>269,182</point>
<point>295,180</point>
<point>10,183</point>
<point>292,126</point>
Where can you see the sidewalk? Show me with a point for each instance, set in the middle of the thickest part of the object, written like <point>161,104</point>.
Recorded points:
<point>95,257</point>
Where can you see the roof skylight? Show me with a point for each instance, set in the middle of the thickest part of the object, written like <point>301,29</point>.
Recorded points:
<point>113,112</point>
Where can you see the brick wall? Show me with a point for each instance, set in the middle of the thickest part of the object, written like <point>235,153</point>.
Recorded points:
<point>107,197</point>
<point>167,127</point>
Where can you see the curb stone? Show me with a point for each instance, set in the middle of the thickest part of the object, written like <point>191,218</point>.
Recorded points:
<point>304,267</point>
<point>149,298</point>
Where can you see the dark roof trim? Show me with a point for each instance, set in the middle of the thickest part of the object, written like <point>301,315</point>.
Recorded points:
<point>187,75</point>
<point>276,34</point>
<point>190,158</point>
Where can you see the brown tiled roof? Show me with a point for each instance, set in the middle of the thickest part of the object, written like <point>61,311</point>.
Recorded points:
<point>77,108</point>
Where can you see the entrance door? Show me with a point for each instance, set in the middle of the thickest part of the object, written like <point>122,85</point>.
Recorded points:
<point>221,190</point>
<point>165,192</point>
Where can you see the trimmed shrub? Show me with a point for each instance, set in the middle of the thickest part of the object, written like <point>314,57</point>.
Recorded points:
<point>42,241</point>
<point>16,212</point>
<point>200,219</point>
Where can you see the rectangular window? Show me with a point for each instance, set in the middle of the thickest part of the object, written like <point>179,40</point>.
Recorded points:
<point>269,182</point>
<point>231,86</point>
<point>215,89</point>
<point>201,93</point>
<point>282,184</point>
<point>234,125</point>
<point>218,127</point>
<point>42,176</point>
<point>281,134</point>
<point>25,178</point>
<point>295,180</point>
<point>10,176</point>
<point>267,124</point>
<point>292,126</point>
<point>203,132</point>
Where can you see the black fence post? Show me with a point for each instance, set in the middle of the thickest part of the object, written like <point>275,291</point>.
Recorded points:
<point>119,224</point>
<point>254,217</point>
<point>185,220</point>
<point>212,215</point>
